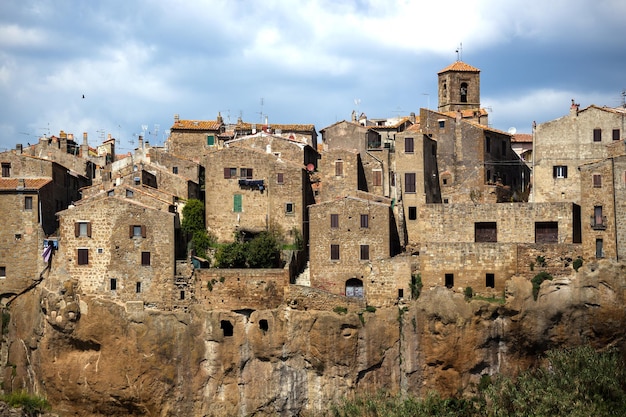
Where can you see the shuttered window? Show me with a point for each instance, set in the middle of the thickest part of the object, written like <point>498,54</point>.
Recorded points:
<point>145,258</point>
<point>339,168</point>
<point>597,180</point>
<point>546,232</point>
<point>377,177</point>
<point>83,256</point>
<point>82,229</point>
<point>334,252</point>
<point>237,203</point>
<point>137,231</point>
<point>334,221</point>
<point>409,145</point>
<point>365,252</point>
<point>409,182</point>
<point>485,232</point>
<point>210,140</point>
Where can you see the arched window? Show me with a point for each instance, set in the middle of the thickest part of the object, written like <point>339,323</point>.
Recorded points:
<point>354,288</point>
<point>463,92</point>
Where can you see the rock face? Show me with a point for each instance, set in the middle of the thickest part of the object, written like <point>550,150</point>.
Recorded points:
<point>91,357</point>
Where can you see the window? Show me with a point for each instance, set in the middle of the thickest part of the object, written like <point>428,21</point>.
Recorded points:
<point>110,193</point>
<point>28,203</point>
<point>463,92</point>
<point>280,178</point>
<point>138,287</point>
<point>616,134</point>
<point>409,145</point>
<point>129,193</point>
<point>182,294</point>
<point>237,203</point>
<point>485,232</point>
<point>412,213</point>
<point>230,173</point>
<point>354,288</point>
<point>83,256</point>
<point>597,181</point>
<point>82,229</point>
<point>264,325</point>
<point>599,248</point>
<point>377,177</point>
<point>487,144</point>
<point>137,231</point>
<point>490,280</point>
<point>334,252</point>
<point>245,173</point>
<point>597,135</point>
<point>365,221</point>
<point>598,221</point>
<point>446,201</point>
<point>113,284</point>
<point>6,169</point>
<point>400,292</point>
<point>334,221</point>
<point>409,182</point>
<point>145,258</point>
<point>3,271</point>
<point>559,171</point>
<point>210,140</point>
<point>174,170</point>
<point>442,124</point>
<point>289,208</point>
<point>227,328</point>
<point>365,252</point>
<point>339,168</point>
<point>546,232</point>
<point>449,280</point>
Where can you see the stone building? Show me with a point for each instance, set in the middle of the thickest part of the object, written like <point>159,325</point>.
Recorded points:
<point>288,149</point>
<point>522,144</point>
<point>561,145</point>
<point>28,219</point>
<point>347,236</point>
<point>249,191</point>
<point>118,247</point>
<point>459,88</point>
<point>301,133</point>
<point>190,139</point>
<point>340,173</point>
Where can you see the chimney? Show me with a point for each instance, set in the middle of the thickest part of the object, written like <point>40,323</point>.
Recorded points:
<point>220,120</point>
<point>574,107</point>
<point>412,117</point>
<point>84,148</point>
<point>84,138</point>
<point>176,119</point>
<point>18,148</point>
<point>140,142</point>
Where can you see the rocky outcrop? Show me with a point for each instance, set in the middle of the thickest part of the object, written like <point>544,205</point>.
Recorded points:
<point>92,357</point>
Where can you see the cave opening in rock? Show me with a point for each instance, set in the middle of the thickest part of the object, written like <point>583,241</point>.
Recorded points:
<point>263,325</point>
<point>226,327</point>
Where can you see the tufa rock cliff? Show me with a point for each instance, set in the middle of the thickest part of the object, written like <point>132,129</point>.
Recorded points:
<point>92,357</point>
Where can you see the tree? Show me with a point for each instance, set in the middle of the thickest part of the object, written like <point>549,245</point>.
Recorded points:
<point>193,216</point>
<point>231,255</point>
<point>263,251</point>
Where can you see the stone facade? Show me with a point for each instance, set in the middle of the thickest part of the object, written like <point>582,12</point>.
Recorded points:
<point>459,87</point>
<point>340,173</point>
<point>346,237</point>
<point>561,145</point>
<point>118,247</point>
<point>619,189</point>
<point>284,148</point>
<point>278,198</point>
<point>191,139</point>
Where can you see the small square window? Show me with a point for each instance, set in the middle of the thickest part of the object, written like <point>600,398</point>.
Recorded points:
<point>174,170</point>
<point>289,208</point>
<point>83,256</point>
<point>442,124</point>
<point>145,258</point>
<point>3,272</point>
<point>100,251</point>
<point>129,193</point>
<point>559,171</point>
<point>28,203</point>
<point>412,213</point>
<point>18,236</point>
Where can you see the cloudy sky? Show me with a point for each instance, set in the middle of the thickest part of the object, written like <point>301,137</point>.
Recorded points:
<point>139,62</point>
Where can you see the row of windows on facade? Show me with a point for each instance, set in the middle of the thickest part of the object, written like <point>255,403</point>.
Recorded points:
<point>597,135</point>
<point>247,173</point>
<point>364,221</point>
<point>560,171</point>
<point>82,256</point>
<point>83,229</point>
<point>290,208</point>
<point>364,252</point>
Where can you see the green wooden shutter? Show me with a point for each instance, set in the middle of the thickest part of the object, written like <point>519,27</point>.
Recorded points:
<point>210,140</point>
<point>237,203</point>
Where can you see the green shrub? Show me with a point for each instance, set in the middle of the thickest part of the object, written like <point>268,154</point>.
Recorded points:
<point>469,293</point>
<point>370,309</point>
<point>537,280</point>
<point>578,262</point>
<point>541,261</point>
<point>340,310</point>
<point>416,286</point>
<point>231,255</point>
<point>30,403</point>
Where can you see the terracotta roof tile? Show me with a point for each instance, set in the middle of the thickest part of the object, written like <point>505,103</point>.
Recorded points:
<point>459,66</point>
<point>29,183</point>
<point>196,125</point>
<point>522,138</point>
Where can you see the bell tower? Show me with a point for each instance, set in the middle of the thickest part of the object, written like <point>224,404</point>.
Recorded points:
<point>459,87</point>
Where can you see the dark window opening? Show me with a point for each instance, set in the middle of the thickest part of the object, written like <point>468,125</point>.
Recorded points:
<point>182,294</point>
<point>485,232</point>
<point>546,232</point>
<point>113,284</point>
<point>280,178</point>
<point>463,92</point>
<point>559,171</point>
<point>227,328</point>
<point>490,280</point>
<point>263,325</point>
<point>616,134</point>
<point>28,203</point>
<point>174,170</point>
<point>245,173</point>
<point>412,213</point>
<point>289,208</point>
<point>334,252</point>
<point>354,288</point>
<point>442,124</point>
<point>334,221</point>
<point>597,135</point>
<point>449,280</point>
<point>83,256</point>
<point>6,169</point>
<point>400,292</point>
<point>599,248</point>
<point>365,221</point>
<point>145,258</point>
<point>3,271</point>
<point>487,144</point>
<point>409,146</point>
<point>409,182</point>
<point>365,252</point>
<point>138,287</point>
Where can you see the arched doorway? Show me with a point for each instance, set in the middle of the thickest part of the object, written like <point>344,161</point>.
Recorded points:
<point>354,288</point>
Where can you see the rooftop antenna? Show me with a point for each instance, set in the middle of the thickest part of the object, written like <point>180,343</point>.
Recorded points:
<point>100,134</point>
<point>459,52</point>
<point>357,103</point>
<point>261,112</point>
<point>47,129</point>
<point>624,99</point>
<point>155,133</point>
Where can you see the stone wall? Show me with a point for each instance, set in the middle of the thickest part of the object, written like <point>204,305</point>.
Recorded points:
<point>299,297</point>
<point>240,289</point>
<point>619,189</point>
<point>334,186</point>
<point>289,150</point>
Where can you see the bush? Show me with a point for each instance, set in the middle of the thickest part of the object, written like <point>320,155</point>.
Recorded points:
<point>469,293</point>
<point>340,310</point>
<point>263,251</point>
<point>537,280</point>
<point>231,255</point>
<point>31,404</point>
<point>578,262</point>
<point>370,309</point>
<point>201,241</point>
<point>416,286</point>
<point>193,216</point>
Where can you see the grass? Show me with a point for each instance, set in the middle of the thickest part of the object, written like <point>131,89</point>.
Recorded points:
<point>30,403</point>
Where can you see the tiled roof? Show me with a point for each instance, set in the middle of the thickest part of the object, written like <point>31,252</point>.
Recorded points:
<point>29,183</point>
<point>459,66</point>
<point>285,128</point>
<point>522,138</point>
<point>196,125</point>
<point>466,114</point>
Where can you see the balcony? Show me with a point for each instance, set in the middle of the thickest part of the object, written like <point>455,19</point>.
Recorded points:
<point>598,222</point>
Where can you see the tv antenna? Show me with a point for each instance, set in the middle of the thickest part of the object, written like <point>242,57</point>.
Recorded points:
<point>459,52</point>
<point>261,112</point>
<point>155,133</point>
<point>47,129</point>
